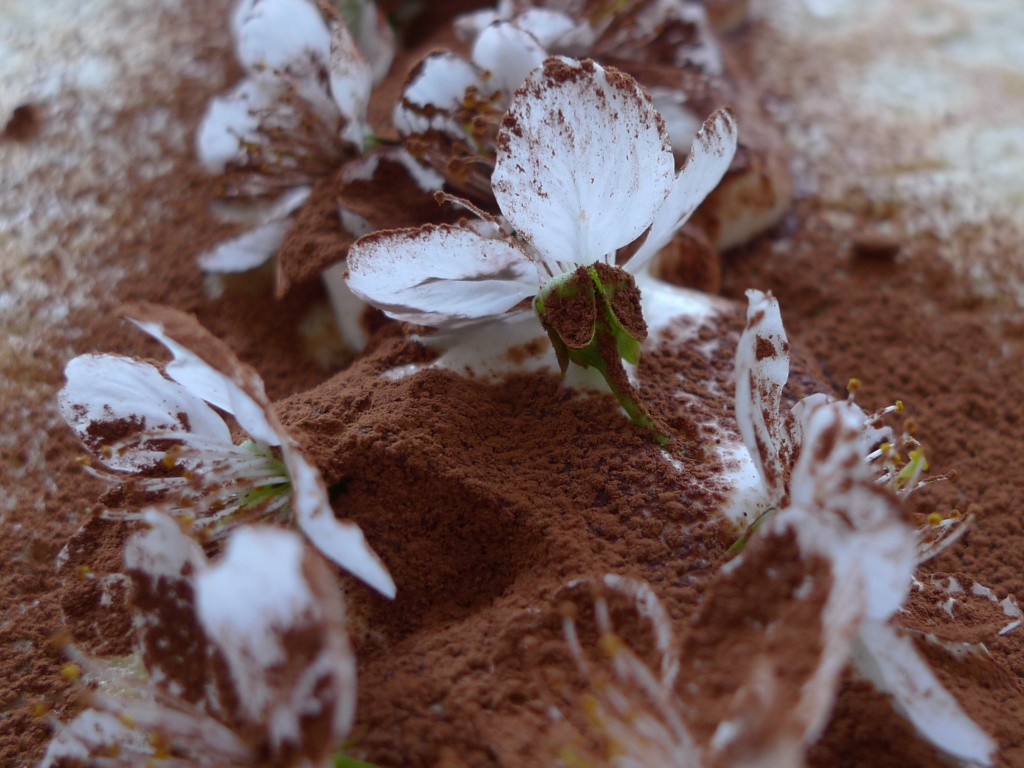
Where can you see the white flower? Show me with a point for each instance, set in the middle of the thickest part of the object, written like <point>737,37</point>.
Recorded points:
<point>160,437</point>
<point>673,34</point>
<point>854,557</point>
<point>774,435</point>
<point>450,108</point>
<point>583,169</point>
<point>636,709</point>
<point>842,510</point>
<point>247,660</point>
<point>299,113</point>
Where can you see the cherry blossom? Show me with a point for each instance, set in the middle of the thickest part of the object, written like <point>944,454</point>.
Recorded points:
<point>245,661</point>
<point>298,114</point>
<point>634,36</point>
<point>451,108</point>
<point>155,433</point>
<point>584,168</point>
<point>774,435</point>
<point>842,507</point>
<point>846,549</point>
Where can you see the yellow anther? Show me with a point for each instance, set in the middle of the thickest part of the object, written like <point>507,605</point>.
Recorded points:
<point>161,746</point>
<point>899,406</point>
<point>71,671</point>
<point>610,644</point>
<point>84,571</point>
<point>934,519</point>
<point>853,385</point>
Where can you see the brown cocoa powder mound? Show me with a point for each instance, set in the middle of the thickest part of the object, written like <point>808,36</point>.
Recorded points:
<point>519,488</point>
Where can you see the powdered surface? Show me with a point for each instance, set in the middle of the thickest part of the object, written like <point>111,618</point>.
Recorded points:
<point>104,189</point>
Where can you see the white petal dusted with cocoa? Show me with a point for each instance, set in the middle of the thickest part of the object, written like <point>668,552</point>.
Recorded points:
<point>122,409</point>
<point>351,82</point>
<point>246,659</point>
<point>893,663</point>
<point>584,163</point>
<point>762,369</point>
<point>137,398</point>
<point>858,524</point>
<point>275,614</point>
<point>507,54</point>
<point>701,172</point>
<point>255,246</point>
<point>456,276</point>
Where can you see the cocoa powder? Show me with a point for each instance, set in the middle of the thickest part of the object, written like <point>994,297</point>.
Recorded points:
<point>466,666</point>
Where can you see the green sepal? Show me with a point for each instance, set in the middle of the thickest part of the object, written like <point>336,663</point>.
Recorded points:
<point>741,542</point>
<point>578,312</point>
<point>626,343</point>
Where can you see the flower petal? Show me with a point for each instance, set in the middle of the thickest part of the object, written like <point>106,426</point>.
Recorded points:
<point>862,529</point>
<point>583,162</point>
<point>762,369</point>
<point>94,735</point>
<point>162,563</point>
<point>373,35</point>
<point>259,244</point>
<point>109,398</point>
<point>208,368</point>
<point>351,82</point>
<point>555,30</point>
<point>288,42</point>
<point>895,666</point>
<point>341,541</point>
<point>283,36</point>
<point>433,92</point>
<point>247,251</point>
<point>275,614</point>
<point>508,54</point>
<point>443,276</point>
<point>232,120</point>
<point>710,157</point>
